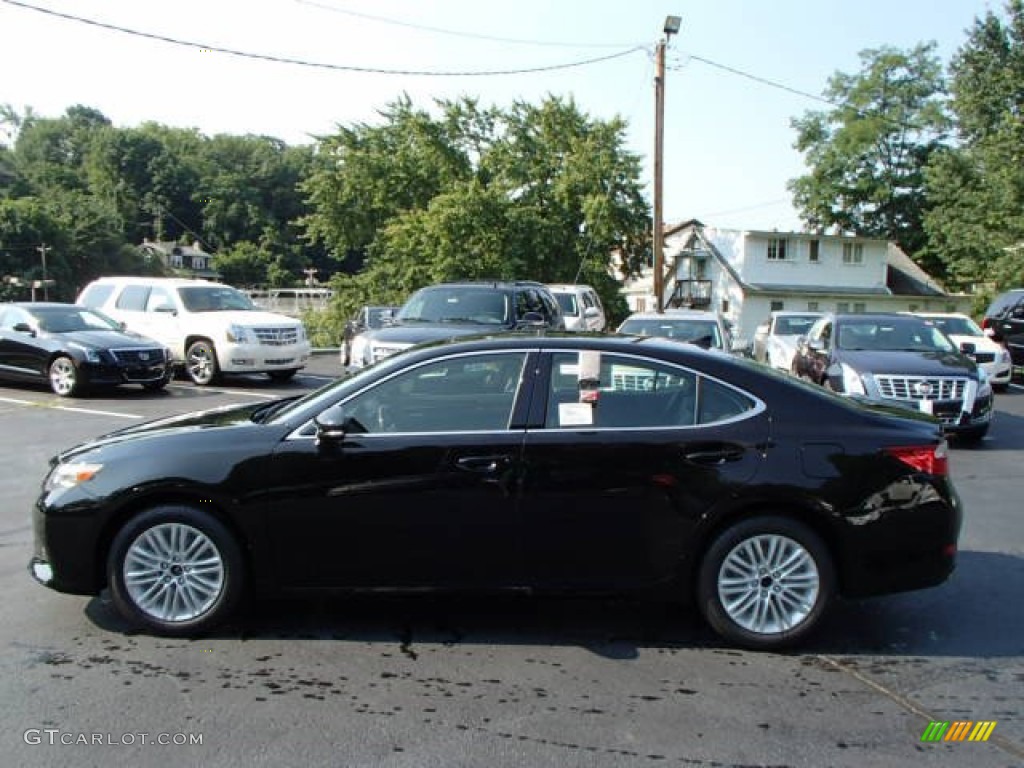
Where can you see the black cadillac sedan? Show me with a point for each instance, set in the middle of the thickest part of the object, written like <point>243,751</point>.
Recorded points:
<point>528,462</point>
<point>72,348</point>
<point>901,360</point>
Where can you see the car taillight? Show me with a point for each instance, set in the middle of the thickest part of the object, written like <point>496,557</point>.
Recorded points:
<point>924,458</point>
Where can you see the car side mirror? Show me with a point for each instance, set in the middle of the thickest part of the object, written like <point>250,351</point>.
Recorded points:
<point>968,348</point>
<point>591,312</point>
<point>166,309</point>
<point>24,328</point>
<point>332,429</point>
<point>816,345</point>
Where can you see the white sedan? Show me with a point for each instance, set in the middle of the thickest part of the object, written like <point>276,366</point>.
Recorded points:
<point>989,354</point>
<point>776,338</point>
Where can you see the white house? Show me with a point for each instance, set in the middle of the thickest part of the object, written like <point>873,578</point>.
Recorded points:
<point>745,274</point>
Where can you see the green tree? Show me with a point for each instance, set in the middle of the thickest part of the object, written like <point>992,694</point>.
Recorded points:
<point>538,192</point>
<point>866,155</point>
<point>975,223</point>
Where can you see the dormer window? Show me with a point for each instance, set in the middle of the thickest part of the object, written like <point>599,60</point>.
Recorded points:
<point>777,249</point>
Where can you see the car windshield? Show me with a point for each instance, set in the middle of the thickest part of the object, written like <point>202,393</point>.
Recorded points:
<point>214,298</point>
<point>567,301</point>
<point>457,304</point>
<point>377,316</point>
<point>794,325</point>
<point>703,332</point>
<point>892,335</point>
<point>957,326</point>
<point>71,319</point>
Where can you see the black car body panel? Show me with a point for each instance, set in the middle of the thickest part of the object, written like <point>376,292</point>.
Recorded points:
<point>561,495</point>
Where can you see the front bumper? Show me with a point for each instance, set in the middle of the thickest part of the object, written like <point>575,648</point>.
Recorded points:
<point>107,374</point>
<point>260,358</point>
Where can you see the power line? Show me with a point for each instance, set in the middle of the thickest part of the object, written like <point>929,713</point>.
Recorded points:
<point>316,64</point>
<point>783,87</point>
<point>457,33</point>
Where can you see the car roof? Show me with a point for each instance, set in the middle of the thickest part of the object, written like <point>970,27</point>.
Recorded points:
<point>701,314</point>
<point>136,280</point>
<point>569,287</point>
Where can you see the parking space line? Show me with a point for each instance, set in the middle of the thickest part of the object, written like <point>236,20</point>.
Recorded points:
<point>74,409</point>
<point>222,391</point>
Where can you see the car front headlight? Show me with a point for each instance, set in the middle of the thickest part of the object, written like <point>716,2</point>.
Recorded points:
<point>239,334</point>
<point>984,385</point>
<point>91,355</point>
<point>853,384</point>
<point>71,474</point>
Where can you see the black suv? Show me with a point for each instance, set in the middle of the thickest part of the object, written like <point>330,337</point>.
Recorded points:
<point>448,310</point>
<point>1004,322</point>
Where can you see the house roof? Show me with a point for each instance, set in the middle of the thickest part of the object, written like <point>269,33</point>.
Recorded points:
<point>828,290</point>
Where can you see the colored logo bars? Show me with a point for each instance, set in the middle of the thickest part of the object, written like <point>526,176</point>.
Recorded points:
<point>958,730</point>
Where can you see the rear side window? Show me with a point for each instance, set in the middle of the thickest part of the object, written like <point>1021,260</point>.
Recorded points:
<point>595,389</point>
<point>133,297</point>
<point>96,295</point>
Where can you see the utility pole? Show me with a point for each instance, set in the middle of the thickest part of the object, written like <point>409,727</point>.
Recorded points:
<point>46,289</point>
<point>672,24</point>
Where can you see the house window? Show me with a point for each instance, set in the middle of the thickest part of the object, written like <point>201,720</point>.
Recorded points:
<point>853,253</point>
<point>859,306</point>
<point>777,305</point>
<point>913,307</point>
<point>176,260</point>
<point>641,304</point>
<point>812,306</point>
<point>777,249</point>
<point>815,248</point>
<point>843,306</point>
<point>725,306</point>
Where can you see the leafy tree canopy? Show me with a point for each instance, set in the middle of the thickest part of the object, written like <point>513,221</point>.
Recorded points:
<point>867,154</point>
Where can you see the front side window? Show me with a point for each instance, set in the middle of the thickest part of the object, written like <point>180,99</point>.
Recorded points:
<point>470,393</point>
<point>596,389</point>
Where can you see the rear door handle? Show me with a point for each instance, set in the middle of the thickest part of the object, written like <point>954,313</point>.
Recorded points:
<point>714,456</point>
<point>486,465</point>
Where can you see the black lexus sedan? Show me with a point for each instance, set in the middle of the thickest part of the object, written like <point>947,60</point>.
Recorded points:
<point>73,348</point>
<point>900,360</point>
<point>537,462</point>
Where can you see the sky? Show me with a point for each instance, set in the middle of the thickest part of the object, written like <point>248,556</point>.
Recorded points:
<point>728,138</point>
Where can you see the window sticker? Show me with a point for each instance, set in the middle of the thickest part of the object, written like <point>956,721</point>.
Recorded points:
<point>575,414</point>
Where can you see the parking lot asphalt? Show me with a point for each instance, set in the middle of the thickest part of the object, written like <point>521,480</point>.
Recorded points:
<point>470,681</point>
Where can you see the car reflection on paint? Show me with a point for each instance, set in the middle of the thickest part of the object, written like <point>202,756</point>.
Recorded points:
<point>544,462</point>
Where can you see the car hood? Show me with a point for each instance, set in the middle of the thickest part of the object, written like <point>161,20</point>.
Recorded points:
<point>909,363</point>
<point>420,332</point>
<point>226,417</point>
<point>106,339</point>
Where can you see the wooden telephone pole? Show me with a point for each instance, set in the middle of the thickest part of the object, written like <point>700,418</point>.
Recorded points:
<point>672,24</point>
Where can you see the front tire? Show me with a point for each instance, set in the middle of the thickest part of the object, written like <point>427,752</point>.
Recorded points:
<point>175,570</point>
<point>63,376</point>
<point>201,362</point>
<point>765,583</point>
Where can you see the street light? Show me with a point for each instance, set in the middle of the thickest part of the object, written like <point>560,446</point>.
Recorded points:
<point>671,27</point>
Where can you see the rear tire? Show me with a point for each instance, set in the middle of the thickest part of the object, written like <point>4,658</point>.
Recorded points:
<point>175,570</point>
<point>765,583</point>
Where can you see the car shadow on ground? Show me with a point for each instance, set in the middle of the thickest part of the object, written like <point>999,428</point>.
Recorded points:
<point>976,614</point>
